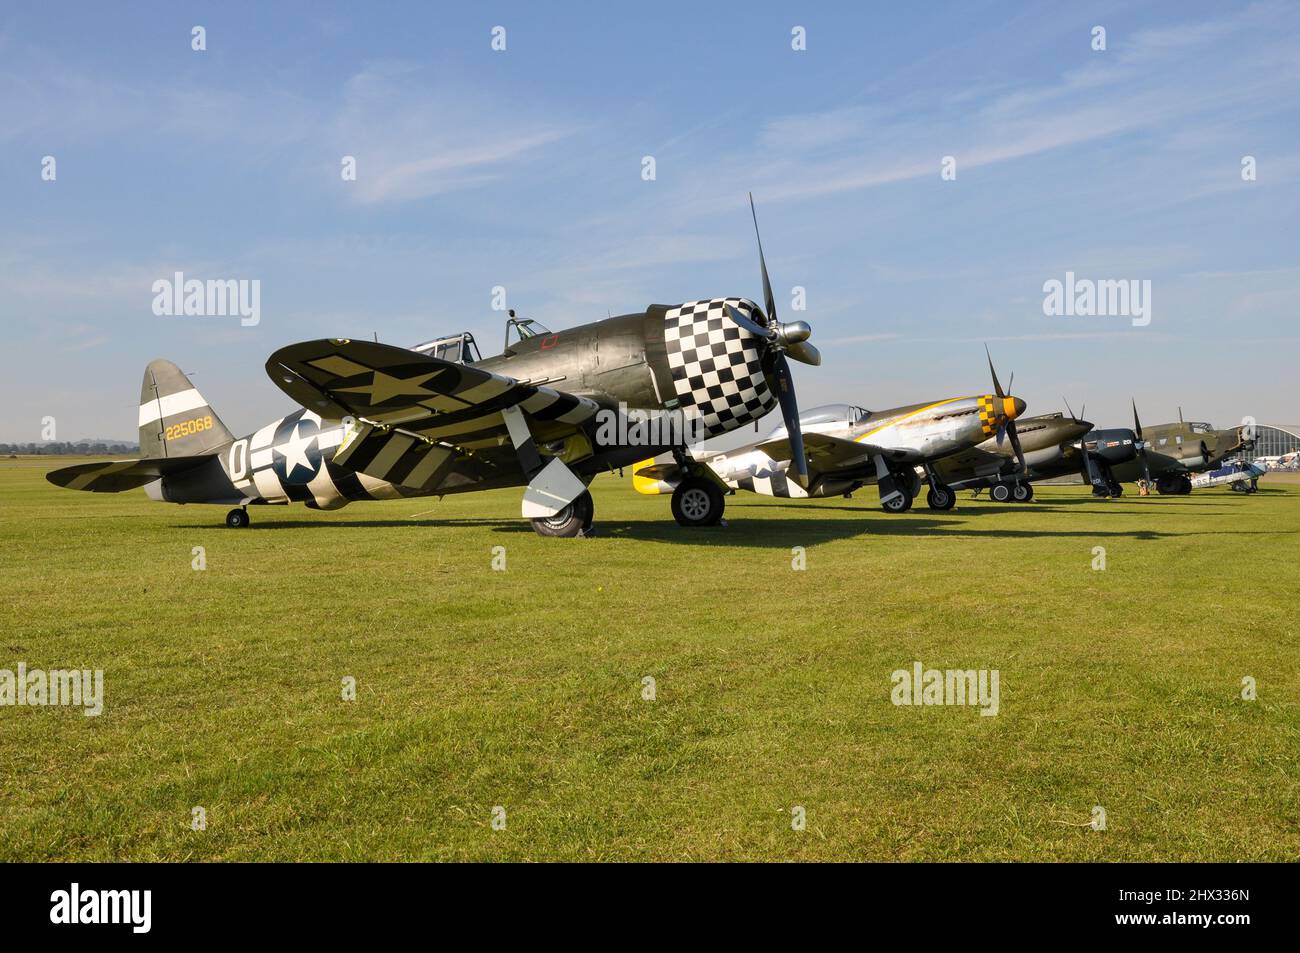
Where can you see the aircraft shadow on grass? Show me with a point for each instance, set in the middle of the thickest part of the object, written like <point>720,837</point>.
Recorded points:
<point>777,533</point>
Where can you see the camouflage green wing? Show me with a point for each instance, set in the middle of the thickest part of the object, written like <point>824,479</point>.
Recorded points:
<point>410,405</point>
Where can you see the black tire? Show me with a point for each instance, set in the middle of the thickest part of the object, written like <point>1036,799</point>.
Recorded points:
<point>1022,492</point>
<point>940,497</point>
<point>237,519</point>
<point>698,502</point>
<point>1000,492</point>
<point>1116,489</point>
<point>571,521</point>
<point>1184,485</point>
<point>899,504</point>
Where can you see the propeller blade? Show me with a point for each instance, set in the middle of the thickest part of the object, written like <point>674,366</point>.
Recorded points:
<point>1011,383</point>
<point>1015,445</point>
<point>1142,444</point>
<point>1068,408</point>
<point>997,387</point>
<point>753,327</point>
<point>805,353</point>
<point>769,302</point>
<point>790,412</point>
<point>1137,424</point>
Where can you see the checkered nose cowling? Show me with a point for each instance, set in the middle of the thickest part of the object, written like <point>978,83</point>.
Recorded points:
<point>717,367</point>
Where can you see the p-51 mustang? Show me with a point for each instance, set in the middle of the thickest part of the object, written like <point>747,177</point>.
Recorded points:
<point>382,422</point>
<point>847,448</point>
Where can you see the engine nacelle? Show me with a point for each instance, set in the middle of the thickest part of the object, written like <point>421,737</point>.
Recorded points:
<point>1111,446</point>
<point>1193,455</point>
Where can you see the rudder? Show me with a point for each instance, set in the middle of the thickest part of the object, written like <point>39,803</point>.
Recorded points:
<point>175,420</point>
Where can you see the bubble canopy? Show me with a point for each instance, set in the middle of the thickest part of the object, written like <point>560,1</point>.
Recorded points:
<point>820,418</point>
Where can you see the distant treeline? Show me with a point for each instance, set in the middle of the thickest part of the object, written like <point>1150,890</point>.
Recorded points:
<point>59,448</point>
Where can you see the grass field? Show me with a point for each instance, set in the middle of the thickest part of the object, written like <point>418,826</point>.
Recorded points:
<point>477,688</point>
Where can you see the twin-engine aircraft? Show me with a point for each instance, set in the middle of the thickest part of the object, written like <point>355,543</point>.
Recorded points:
<point>382,422</point>
<point>847,447</point>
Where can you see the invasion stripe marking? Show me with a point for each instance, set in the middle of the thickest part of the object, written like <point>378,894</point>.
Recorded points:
<point>170,405</point>
<point>397,445</point>
<point>423,470</point>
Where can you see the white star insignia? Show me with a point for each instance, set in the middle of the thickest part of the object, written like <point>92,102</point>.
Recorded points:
<point>294,451</point>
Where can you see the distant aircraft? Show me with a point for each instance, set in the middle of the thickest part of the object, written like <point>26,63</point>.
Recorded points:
<point>383,422</point>
<point>847,447</point>
<point>1163,455</point>
<point>1236,476</point>
<point>1172,452</point>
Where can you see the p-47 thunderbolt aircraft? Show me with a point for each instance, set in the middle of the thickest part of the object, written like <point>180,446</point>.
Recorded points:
<point>847,447</point>
<point>381,422</point>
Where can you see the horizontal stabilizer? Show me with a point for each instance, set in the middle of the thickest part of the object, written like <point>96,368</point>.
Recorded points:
<point>114,476</point>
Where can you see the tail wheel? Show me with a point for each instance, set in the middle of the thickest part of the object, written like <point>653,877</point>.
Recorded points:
<point>898,504</point>
<point>1022,492</point>
<point>1001,492</point>
<point>940,497</point>
<point>697,502</point>
<point>571,521</point>
<point>237,519</point>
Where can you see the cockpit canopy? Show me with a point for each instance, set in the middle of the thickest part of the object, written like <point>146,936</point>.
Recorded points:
<point>825,417</point>
<point>1199,427</point>
<point>458,349</point>
<point>525,328</point>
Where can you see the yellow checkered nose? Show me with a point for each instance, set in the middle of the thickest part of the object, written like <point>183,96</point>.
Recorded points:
<point>996,410</point>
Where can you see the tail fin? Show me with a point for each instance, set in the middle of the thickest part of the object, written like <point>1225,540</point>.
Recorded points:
<point>175,420</point>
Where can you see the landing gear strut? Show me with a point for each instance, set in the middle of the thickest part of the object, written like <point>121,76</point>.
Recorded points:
<point>238,519</point>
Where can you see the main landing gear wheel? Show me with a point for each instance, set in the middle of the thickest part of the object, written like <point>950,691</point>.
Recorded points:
<point>1022,492</point>
<point>1000,492</point>
<point>237,519</point>
<point>898,504</point>
<point>574,520</point>
<point>940,497</point>
<point>697,502</point>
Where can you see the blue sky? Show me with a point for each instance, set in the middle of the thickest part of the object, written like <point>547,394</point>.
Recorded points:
<point>523,169</point>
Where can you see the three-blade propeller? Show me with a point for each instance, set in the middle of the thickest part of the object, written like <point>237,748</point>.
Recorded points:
<point>781,339</point>
<point>1008,426</point>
